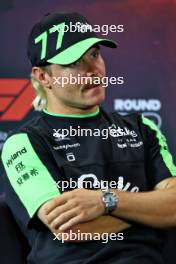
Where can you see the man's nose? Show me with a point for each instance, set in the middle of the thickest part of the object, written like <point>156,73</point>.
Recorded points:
<point>90,68</point>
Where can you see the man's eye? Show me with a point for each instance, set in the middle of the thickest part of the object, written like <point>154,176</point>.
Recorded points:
<point>95,53</point>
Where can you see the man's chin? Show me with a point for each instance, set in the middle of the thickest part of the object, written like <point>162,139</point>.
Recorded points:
<point>97,100</point>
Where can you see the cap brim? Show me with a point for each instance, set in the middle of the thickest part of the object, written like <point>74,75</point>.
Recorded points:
<point>74,52</point>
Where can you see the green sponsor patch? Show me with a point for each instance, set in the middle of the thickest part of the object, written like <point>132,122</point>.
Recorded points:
<point>27,174</point>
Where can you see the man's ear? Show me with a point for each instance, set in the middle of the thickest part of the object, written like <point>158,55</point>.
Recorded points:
<point>42,76</point>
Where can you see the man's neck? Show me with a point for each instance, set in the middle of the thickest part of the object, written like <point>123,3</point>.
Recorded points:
<point>72,110</point>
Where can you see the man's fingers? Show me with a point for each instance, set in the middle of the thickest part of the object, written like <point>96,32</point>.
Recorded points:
<point>56,212</point>
<point>73,221</point>
<point>63,218</point>
<point>52,204</point>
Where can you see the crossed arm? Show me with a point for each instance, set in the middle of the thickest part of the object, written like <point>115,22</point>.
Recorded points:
<point>101,224</point>
<point>83,209</point>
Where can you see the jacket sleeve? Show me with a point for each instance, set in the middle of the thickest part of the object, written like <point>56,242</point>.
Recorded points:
<point>28,175</point>
<point>158,159</point>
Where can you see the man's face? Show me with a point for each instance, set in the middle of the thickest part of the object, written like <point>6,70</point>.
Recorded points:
<point>82,96</point>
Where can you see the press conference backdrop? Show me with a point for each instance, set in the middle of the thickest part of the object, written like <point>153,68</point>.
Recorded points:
<point>145,58</point>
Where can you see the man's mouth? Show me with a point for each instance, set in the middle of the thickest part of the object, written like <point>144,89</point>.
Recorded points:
<point>92,85</point>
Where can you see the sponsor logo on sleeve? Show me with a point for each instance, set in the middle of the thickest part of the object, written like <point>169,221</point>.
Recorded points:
<point>16,155</point>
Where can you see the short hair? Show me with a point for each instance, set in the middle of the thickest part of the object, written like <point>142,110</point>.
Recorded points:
<point>40,101</point>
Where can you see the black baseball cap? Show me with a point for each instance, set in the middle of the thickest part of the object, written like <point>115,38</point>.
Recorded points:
<point>52,41</point>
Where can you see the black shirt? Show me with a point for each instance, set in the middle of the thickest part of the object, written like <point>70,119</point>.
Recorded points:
<point>42,156</point>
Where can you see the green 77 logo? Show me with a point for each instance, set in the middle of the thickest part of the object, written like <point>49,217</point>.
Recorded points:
<point>43,38</point>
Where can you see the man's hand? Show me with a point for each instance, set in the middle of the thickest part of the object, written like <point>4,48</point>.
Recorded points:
<point>74,207</point>
<point>103,224</point>
<point>87,231</point>
<point>155,208</point>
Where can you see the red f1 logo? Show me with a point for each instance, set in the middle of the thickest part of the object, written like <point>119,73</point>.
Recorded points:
<point>16,96</point>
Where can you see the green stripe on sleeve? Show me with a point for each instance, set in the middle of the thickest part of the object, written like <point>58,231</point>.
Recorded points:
<point>28,176</point>
<point>166,155</point>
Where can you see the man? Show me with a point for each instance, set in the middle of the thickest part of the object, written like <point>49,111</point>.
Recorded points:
<point>140,197</point>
